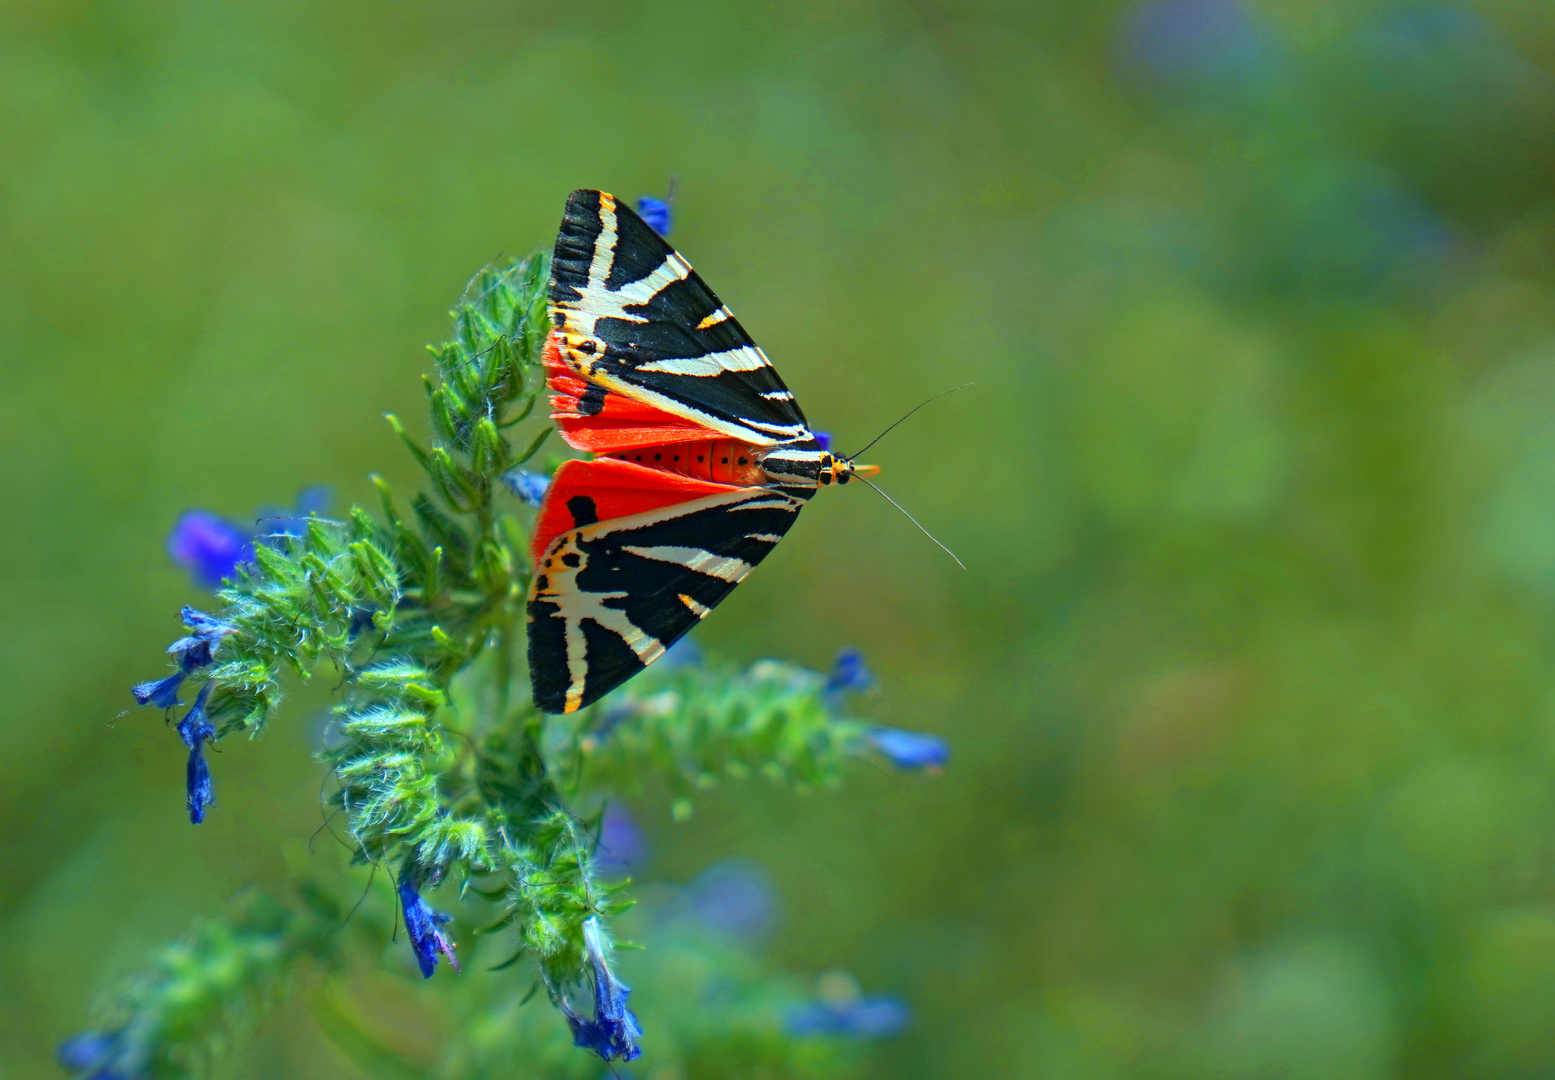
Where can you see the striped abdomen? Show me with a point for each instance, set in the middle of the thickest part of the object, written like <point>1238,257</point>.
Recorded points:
<point>721,461</point>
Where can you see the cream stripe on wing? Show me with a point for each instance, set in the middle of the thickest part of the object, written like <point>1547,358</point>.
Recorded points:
<point>605,246</point>
<point>671,270</point>
<point>745,358</point>
<point>723,567</point>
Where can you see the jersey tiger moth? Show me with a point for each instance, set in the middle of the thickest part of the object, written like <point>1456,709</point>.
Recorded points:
<point>703,458</point>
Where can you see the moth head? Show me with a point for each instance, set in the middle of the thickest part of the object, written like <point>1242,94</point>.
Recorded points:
<point>838,469</point>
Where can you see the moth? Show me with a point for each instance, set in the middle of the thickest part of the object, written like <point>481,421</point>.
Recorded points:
<point>703,458</point>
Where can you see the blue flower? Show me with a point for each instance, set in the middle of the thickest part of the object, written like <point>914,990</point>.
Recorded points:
<point>197,650</point>
<point>685,653</point>
<point>909,749</point>
<point>189,653</point>
<point>622,844</point>
<point>88,1049</point>
<point>422,924</point>
<point>613,1032</point>
<point>198,780</point>
<point>102,1055</point>
<point>858,1018</point>
<point>209,546</point>
<point>1193,44</point>
<point>656,212</point>
<point>212,547</point>
<point>206,627</point>
<point>278,524</point>
<point>529,486</point>
<point>824,438</point>
<point>196,730</point>
<point>848,675</point>
<point>734,897</point>
<point>163,693</point>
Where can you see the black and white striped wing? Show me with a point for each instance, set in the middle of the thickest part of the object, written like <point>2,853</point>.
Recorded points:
<point>632,316</point>
<point>609,598</point>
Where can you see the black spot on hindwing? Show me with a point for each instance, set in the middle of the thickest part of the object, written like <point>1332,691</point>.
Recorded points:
<point>582,509</point>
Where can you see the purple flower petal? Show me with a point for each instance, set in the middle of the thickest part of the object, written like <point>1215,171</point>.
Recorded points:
<point>209,546</point>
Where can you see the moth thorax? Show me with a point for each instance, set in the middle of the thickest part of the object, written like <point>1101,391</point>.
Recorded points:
<point>793,463</point>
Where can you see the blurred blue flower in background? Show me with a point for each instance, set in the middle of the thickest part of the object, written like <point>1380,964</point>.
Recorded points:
<point>1442,92</point>
<point>841,1009</point>
<point>824,438</point>
<point>734,897</point>
<point>909,749</point>
<point>849,674</point>
<point>276,523</point>
<point>101,1055</point>
<point>622,845</point>
<point>685,653</point>
<point>208,546</point>
<point>1191,45</point>
<point>1352,228</point>
<point>527,485</point>
<point>656,212</point>
<point>211,547</point>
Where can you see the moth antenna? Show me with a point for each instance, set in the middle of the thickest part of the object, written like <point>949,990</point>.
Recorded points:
<point>887,431</point>
<point>899,506</point>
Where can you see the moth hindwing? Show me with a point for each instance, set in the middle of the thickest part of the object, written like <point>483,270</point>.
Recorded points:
<point>608,598</point>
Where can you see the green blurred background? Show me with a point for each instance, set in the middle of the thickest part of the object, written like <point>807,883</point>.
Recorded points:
<point>1249,680</point>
